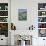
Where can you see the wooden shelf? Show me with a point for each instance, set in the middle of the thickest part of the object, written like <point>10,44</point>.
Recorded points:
<point>42,16</point>
<point>41,28</point>
<point>41,22</point>
<point>3,10</point>
<point>41,10</point>
<point>3,16</point>
<point>3,22</point>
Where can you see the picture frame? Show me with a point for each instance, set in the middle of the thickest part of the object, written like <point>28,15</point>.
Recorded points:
<point>22,14</point>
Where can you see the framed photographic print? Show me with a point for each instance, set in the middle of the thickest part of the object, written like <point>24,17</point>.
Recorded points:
<point>22,14</point>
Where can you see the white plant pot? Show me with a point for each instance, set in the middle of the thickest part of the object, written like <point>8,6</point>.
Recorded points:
<point>22,43</point>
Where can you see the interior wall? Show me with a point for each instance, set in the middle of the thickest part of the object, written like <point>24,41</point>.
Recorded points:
<point>31,13</point>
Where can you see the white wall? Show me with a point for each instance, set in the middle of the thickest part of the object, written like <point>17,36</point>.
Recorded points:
<point>32,14</point>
